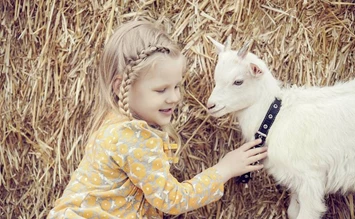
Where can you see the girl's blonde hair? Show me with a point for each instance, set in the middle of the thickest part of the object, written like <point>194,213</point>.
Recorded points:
<point>133,48</point>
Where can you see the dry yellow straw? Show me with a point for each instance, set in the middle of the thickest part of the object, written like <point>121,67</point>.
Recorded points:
<point>49,51</point>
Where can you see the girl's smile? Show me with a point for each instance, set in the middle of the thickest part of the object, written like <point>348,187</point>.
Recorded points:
<point>167,112</point>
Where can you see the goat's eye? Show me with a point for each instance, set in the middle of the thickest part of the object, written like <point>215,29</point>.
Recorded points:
<point>238,82</point>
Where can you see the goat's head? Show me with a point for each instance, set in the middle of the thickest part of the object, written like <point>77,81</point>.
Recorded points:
<point>237,75</point>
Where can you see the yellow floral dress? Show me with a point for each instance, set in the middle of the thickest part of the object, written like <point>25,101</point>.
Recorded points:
<point>125,174</point>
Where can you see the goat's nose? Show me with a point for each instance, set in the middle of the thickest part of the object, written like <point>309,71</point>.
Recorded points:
<point>210,106</point>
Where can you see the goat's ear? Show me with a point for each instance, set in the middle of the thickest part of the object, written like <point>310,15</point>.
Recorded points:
<point>255,70</point>
<point>244,50</point>
<point>228,43</point>
<point>219,47</point>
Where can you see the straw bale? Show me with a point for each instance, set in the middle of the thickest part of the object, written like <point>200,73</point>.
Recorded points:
<point>48,56</point>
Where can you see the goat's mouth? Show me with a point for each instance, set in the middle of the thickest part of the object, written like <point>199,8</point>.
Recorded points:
<point>214,112</point>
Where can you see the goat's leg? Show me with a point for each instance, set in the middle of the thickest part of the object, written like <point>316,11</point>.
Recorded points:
<point>311,199</point>
<point>294,207</point>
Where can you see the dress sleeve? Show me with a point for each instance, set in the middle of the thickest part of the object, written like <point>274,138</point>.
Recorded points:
<point>142,157</point>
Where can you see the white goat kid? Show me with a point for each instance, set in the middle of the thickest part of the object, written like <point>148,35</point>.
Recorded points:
<point>311,144</point>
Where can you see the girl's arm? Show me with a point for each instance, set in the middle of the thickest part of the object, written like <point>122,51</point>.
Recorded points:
<point>147,166</point>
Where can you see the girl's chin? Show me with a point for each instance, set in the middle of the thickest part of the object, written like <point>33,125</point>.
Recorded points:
<point>160,123</point>
<point>165,121</point>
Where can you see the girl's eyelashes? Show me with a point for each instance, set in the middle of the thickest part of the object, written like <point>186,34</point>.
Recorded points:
<point>161,90</point>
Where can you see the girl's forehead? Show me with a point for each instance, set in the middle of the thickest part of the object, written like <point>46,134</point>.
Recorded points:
<point>166,68</point>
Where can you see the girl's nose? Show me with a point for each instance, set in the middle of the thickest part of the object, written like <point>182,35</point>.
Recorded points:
<point>174,96</point>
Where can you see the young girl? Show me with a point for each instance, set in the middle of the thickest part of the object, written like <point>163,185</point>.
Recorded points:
<point>125,170</point>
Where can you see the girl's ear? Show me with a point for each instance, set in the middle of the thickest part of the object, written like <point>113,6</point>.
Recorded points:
<point>116,84</point>
<point>255,70</point>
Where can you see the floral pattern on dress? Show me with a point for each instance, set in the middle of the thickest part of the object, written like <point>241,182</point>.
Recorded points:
<point>125,174</point>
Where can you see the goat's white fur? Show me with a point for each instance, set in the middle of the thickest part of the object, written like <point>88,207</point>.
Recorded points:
<point>311,145</point>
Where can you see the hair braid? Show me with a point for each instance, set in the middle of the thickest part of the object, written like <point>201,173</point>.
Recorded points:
<point>123,93</point>
<point>127,78</point>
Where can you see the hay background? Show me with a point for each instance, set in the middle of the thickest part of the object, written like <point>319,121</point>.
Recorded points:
<point>48,56</point>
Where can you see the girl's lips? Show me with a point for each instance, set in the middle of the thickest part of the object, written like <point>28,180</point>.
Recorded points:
<point>166,111</point>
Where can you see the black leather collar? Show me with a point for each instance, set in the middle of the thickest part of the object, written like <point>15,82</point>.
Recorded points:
<point>263,131</point>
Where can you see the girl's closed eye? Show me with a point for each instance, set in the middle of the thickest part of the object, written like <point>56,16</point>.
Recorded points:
<point>161,90</point>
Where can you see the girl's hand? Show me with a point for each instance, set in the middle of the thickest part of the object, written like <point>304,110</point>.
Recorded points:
<point>239,161</point>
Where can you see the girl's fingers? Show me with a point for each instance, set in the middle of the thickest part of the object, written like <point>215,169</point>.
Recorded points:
<point>257,157</point>
<point>257,150</point>
<point>250,144</point>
